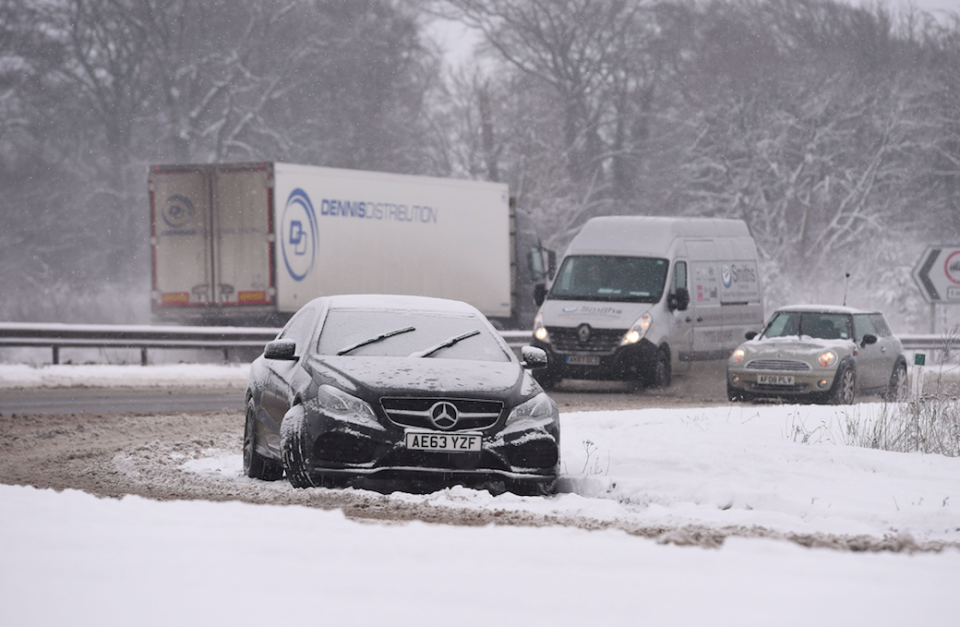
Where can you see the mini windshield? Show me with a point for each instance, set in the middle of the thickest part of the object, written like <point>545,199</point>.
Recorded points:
<point>824,326</point>
<point>609,278</point>
<point>394,333</point>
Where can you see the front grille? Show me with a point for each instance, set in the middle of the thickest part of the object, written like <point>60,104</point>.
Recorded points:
<point>566,340</point>
<point>787,365</point>
<point>418,412</point>
<point>782,389</point>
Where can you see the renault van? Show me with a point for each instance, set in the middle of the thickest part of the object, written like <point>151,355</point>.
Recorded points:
<point>641,298</point>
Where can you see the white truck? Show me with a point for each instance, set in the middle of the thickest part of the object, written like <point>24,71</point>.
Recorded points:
<point>250,243</point>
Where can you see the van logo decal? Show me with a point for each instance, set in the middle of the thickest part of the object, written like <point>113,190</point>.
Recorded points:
<point>570,309</point>
<point>299,235</point>
<point>726,276</point>
<point>178,211</point>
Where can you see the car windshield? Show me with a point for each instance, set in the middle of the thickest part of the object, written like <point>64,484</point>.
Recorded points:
<point>609,278</point>
<point>396,333</point>
<point>824,326</point>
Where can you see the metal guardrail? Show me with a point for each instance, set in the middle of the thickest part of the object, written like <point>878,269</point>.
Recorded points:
<point>143,337</point>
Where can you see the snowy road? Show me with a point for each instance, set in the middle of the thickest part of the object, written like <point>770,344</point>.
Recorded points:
<point>699,515</point>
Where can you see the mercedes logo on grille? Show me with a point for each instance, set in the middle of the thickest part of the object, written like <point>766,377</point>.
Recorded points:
<point>583,333</point>
<point>443,415</point>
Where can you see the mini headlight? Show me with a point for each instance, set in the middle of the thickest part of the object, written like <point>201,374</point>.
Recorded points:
<point>827,359</point>
<point>638,330</point>
<point>737,356</point>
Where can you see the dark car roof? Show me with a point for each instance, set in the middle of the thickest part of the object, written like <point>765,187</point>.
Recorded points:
<point>398,302</point>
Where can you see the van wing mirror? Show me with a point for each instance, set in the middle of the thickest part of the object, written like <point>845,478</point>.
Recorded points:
<point>551,263</point>
<point>539,293</point>
<point>282,350</point>
<point>679,300</point>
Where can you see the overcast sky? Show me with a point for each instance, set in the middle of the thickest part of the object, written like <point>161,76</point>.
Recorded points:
<point>459,41</point>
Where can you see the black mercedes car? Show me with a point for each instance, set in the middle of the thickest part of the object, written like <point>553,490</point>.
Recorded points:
<point>399,392</point>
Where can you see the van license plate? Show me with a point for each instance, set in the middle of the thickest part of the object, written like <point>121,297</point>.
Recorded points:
<point>447,442</point>
<point>583,360</point>
<point>775,379</point>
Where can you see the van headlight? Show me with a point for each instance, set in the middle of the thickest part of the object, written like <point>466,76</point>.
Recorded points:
<point>540,331</point>
<point>637,331</point>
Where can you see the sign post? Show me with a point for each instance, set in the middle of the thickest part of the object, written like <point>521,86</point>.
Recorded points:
<point>937,274</point>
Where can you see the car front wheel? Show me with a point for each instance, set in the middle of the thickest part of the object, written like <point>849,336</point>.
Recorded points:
<point>844,386</point>
<point>293,446</point>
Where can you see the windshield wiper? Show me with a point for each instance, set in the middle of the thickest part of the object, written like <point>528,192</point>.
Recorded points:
<point>445,344</point>
<point>374,340</point>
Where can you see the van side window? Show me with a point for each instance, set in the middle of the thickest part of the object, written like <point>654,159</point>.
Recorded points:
<point>679,276</point>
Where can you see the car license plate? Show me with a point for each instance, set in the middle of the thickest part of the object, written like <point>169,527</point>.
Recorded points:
<point>446,442</point>
<point>583,360</point>
<point>775,379</point>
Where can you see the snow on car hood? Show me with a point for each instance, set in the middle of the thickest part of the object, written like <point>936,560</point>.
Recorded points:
<point>600,315</point>
<point>446,376</point>
<point>793,345</point>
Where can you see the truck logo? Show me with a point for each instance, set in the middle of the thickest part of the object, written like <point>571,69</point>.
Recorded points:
<point>178,211</point>
<point>726,276</point>
<point>299,235</point>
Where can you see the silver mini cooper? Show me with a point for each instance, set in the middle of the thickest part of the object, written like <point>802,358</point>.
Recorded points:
<point>819,353</point>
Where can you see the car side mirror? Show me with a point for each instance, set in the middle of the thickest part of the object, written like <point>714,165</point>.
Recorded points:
<point>539,293</point>
<point>679,300</point>
<point>750,335</point>
<point>533,358</point>
<point>868,338</point>
<point>282,350</point>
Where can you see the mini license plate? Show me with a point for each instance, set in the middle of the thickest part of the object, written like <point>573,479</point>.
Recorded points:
<point>447,442</point>
<point>583,360</point>
<point>775,379</point>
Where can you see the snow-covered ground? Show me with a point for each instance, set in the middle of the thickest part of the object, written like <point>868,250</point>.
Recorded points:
<point>70,558</point>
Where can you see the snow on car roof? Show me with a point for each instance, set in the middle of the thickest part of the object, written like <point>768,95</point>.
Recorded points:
<point>838,309</point>
<point>399,302</point>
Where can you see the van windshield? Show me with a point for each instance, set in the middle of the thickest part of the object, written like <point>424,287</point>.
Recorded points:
<point>609,278</point>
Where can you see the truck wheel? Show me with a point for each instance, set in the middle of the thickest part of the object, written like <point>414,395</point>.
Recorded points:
<point>661,370</point>
<point>293,446</point>
<point>844,386</point>
<point>255,465</point>
<point>897,388</point>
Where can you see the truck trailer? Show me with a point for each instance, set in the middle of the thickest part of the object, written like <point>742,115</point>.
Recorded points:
<point>250,243</point>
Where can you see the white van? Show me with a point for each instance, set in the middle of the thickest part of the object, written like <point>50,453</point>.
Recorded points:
<point>640,298</point>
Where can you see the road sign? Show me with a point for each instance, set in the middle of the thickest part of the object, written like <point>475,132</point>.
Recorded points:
<point>938,275</point>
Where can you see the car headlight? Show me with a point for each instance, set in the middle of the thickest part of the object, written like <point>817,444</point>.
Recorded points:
<point>537,409</point>
<point>339,404</point>
<point>540,331</point>
<point>827,358</point>
<point>638,330</point>
<point>737,356</point>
